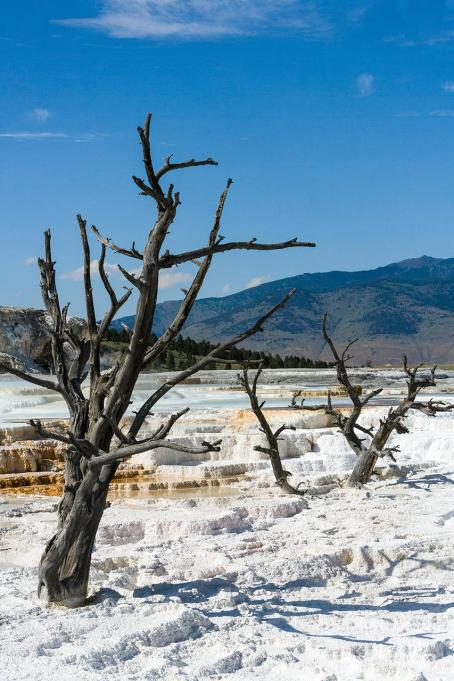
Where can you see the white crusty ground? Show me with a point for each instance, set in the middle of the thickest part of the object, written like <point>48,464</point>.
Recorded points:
<point>255,586</point>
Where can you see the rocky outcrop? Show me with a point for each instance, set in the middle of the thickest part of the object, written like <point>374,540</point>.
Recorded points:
<point>19,459</point>
<point>30,456</point>
<point>24,336</point>
<point>25,340</point>
<point>19,432</point>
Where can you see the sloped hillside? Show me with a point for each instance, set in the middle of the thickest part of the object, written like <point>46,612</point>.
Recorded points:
<point>403,307</point>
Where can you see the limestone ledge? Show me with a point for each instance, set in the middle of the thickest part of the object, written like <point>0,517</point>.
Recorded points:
<point>312,447</point>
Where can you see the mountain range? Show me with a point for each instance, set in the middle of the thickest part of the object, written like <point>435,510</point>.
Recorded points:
<point>406,307</point>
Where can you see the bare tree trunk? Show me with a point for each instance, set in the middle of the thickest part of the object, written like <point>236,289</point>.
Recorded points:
<point>394,422</point>
<point>367,445</point>
<point>280,475</point>
<point>91,460</point>
<point>363,469</point>
<point>64,579</point>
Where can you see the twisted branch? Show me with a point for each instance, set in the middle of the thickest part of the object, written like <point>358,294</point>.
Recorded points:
<point>281,476</point>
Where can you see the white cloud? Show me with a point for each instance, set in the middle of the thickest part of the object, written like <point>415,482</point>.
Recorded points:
<point>226,288</point>
<point>32,260</point>
<point>400,39</point>
<point>40,115</point>
<point>448,86</point>
<point>167,279</point>
<point>170,279</point>
<point>443,113</point>
<point>407,114</point>
<point>358,13</point>
<point>206,18</point>
<point>78,274</point>
<point>27,136</point>
<point>255,281</point>
<point>365,84</point>
<point>33,135</point>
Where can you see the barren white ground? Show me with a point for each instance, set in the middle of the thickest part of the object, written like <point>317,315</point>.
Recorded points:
<point>342,586</point>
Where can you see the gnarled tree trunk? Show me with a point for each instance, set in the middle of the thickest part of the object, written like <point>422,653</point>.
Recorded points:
<point>96,442</point>
<point>281,476</point>
<point>368,445</point>
<point>65,564</point>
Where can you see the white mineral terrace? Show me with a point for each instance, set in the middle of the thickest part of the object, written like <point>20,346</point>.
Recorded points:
<point>228,578</point>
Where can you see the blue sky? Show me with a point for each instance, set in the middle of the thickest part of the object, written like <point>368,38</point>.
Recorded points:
<point>335,120</point>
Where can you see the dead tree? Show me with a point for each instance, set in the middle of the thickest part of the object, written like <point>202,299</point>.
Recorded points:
<point>367,443</point>
<point>96,442</point>
<point>272,436</point>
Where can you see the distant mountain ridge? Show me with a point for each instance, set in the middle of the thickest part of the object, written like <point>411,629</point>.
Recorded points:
<point>406,306</point>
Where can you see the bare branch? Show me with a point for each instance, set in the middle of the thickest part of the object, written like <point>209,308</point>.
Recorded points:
<point>135,281</point>
<point>240,362</point>
<point>104,277</point>
<point>191,295</point>
<point>146,445</point>
<point>340,360</point>
<point>131,253</point>
<point>115,303</point>
<point>302,405</point>
<point>91,315</point>
<point>144,134</point>
<point>393,421</point>
<point>347,425</point>
<point>192,163</point>
<point>168,260</point>
<point>31,378</point>
<point>432,407</point>
<point>165,428</point>
<point>126,328</point>
<point>117,430</point>
<point>280,475</point>
<point>160,199</point>
<point>371,395</point>
<point>48,434</point>
<point>281,430</point>
<point>178,378</point>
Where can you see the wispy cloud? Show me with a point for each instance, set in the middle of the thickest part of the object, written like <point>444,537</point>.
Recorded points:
<point>365,83</point>
<point>27,135</point>
<point>216,18</point>
<point>400,39</point>
<point>226,288</point>
<point>439,38</point>
<point>448,86</point>
<point>33,135</point>
<point>78,274</point>
<point>407,114</point>
<point>421,38</point>
<point>255,281</point>
<point>40,115</point>
<point>442,113</point>
<point>357,13</point>
<point>437,113</point>
<point>32,260</point>
<point>171,279</point>
<point>166,279</point>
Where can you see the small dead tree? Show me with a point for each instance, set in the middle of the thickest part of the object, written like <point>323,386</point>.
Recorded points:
<point>272,436</point>
<point>95,419</point>
<point>367,443</point>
